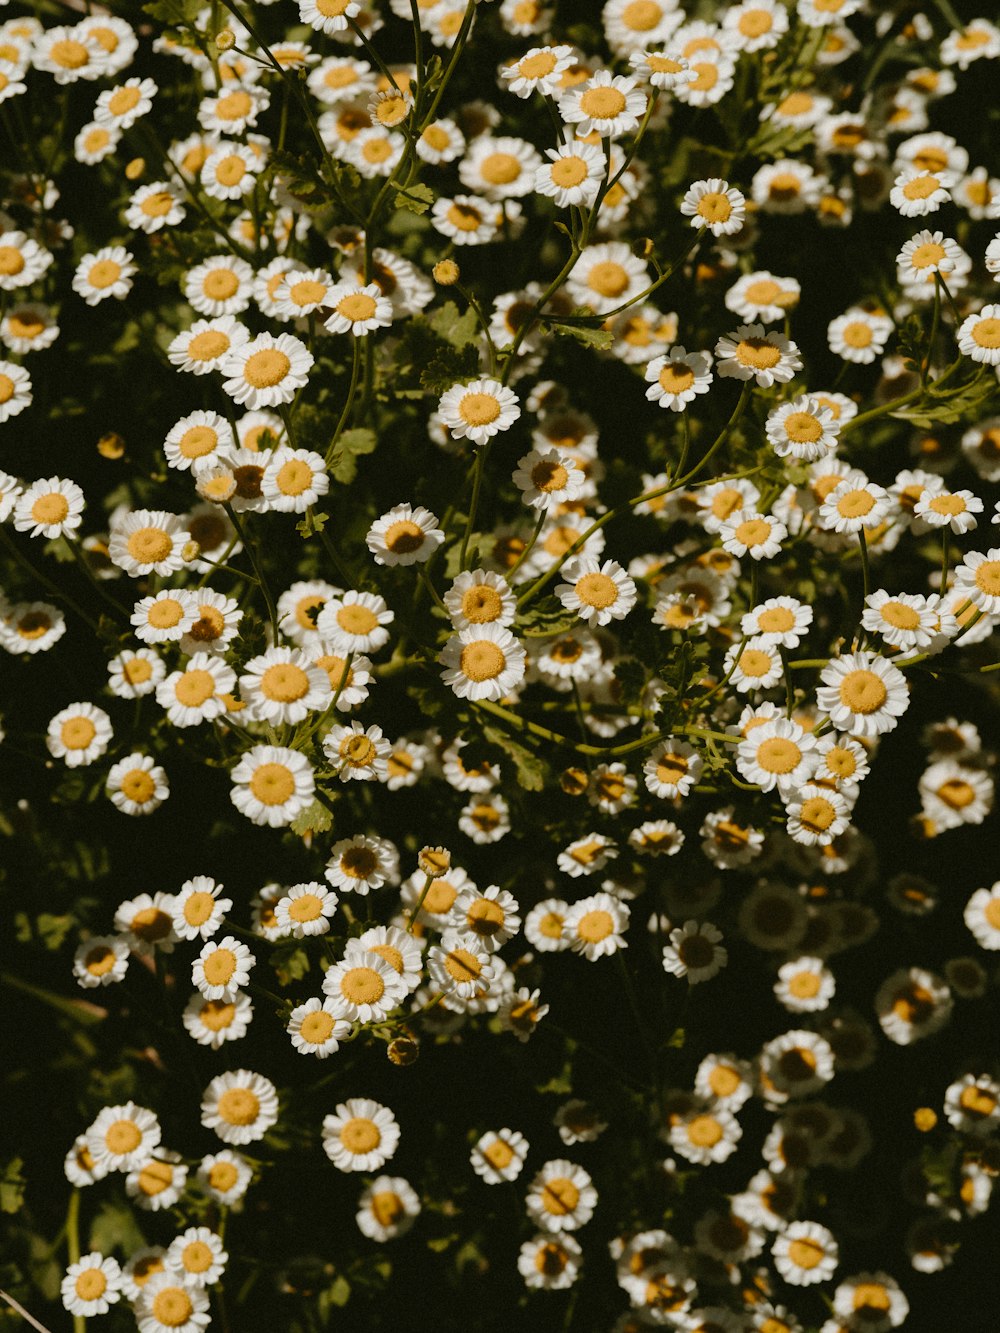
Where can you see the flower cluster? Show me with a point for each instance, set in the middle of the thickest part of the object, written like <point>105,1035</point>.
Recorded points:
<point>506,494</point>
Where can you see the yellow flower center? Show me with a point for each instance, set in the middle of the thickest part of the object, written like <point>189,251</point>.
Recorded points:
<point>802,428</point>
<point>234,106</point>
<point>757,353</point>
<point>158,205</point>
<point>99,961</point>
<point>360,1135</point>
<point>754,663</point>
<point>608,279</point>
<point>778,755</point>
<point>208,346</point>
<point>284,682</point>
<point>704,1131</point>
<point>222,1176</point>
<point>357,307</point>
<point>755,23</point>
<point>500,168</point>
<point>817,814</point>
<point>172,1307</point>
<point>239,1106</point>
<point>317,1027</point>
<point>478,409</point>
<point>138,786</point>
<point>51,508</point>
<point>149,545</point>
<point>597,590</point>
<point>804,985</point>
<point>69,54</point>
<point>856,504</point>
<point>362,985</point>
<point>387,1208</point>
<point>77,732</point>
<point>91,1284</point>
<point>121,1137</point>
<point>230,170</point>
<point>602,103</point>
<point>482,660</point>
<point>568,171</point>
<point>753,532</point>
<point>305,908</point>
<point>921,187</point>
<point>462,965</point>
<point>356,619</point>
<point>155,1177</point>
<point>272,784</point>
<point>481,604</point>
<point>537,66</point>
<point>220,284</point>
<point>724,1080</point>
<point>104,273</point>
<point>676,377</point>
<point>715,207</point>
<point>499,1154</point>
<point>986,333</point>
<point>464,217</point>
<point>594,926</point>
<point>11,261</point>
<point>862,691</point>
<point>194,688</point>
<point>266,368</point>
<point>220,965</point>
<point>560,1196</point>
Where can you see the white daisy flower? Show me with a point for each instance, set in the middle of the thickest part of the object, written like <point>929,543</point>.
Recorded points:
<point>283,686</point>
<point>500,168</point>
<point>816,815</point>
<point>225,1176</point>
<point>746,532</point>
<point>465,219</point>
<point>805,1253</point>
<point>754,665</point>
<point>240,1106</point>
<point>272,785</point>
<point>779,620</point>
<point>357,753</point>
<point>387,1208</point>
<point>267,371</point>
<point>489,915</point>
<point>219,285</point>
<point>751,352</point>
<point>485,819</point>
<point>163,618</point>
<point>539,70</point>
<point>234,110</point>
<point>198,910</point>
<point>904,621</point>
<point>609,105</point>
<point>671,769</point>
<point>677,378</point>
<point>461,966</point>
<point>101,960</point>
<point>756,25</point>
<point>561,1197</point>
<point>953,794</point>
<point>15,390</point>
<point>441,142</point>
<point>714,75</point>
<point>305,910</point>
<point>79,734</point>
<point>484,661</point>
<point>598,593</point>
<point>587,855</point>
<point>499,1155</point>
<point>863,694</point>
<point>397,947</point>
<point>714,204</point>
<point>694,952</point>
<point>155,1185</point>
<point>104,274</point>
<point>315,1028</point>
<point>206,344</point>
<point>662,70</point>
<point>478,410</point>
<point>49,508</point>
<point>479,597</point>
<point>912,1004</point>
<point>195,440</point>
<point>197,1254</point>
<point>803,429</point>
<point>169,1304</point>
<point>217,623</point>
<point>606,277</point>
<point>194,694</point>
<point>222,968</point>
<point>854,504</point>
<point>775,754</point>
<point>154,207</point>
<point>917,192</point>
<point>362,863</point>
<point>69,54</point>
<point>91,1286</point>
<point>362,1135</point>
<point>136,785</point>
<point>705,1135</point>
<point>572,176</point>
<point>148,541</point>
<point>355,622</point>
<point>596,926</point>
<point>979,336</point>
<point>545,926</point>
<point>93,143</point>
<point>230,171</point>
<point>122,1137</point>
<point>549,1263</point>
<point>404,536</point>
<point>22,260</point>
<point>27,327</point>
<point>357,309</point>
<point>859,335</point>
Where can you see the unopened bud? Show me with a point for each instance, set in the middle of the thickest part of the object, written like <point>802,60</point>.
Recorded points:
<point>403,1050</point>
<point>225,40</point>
<point>446,273</point>
<point>111,445</point>
<point>190,551</point>
<point>434,861</point>
<point>643,247</point>
<point>135,168</point>
<point>574,781</point>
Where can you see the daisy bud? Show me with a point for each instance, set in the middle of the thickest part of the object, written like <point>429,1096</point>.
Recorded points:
<point>217,485</point>
<point>434,861</point>
<point>643,247</point>
<point>403,1050</point>
<point>925,1119</point>
<point>190,551</point>
<point>446,273</point>
<point>111,446</point>
<point>573,781</point>
<point>225,40</point>
<point>135,168</point>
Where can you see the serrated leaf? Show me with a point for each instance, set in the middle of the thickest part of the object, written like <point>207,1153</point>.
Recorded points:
<point>313,521</point>
<point>12,1186</point>
<point>970,401</point>
<point>174,12</point>
<point>114,1228</point>
<point>351,445</point>
<point>458,329</point>
<point>602,338</point>
<point>315,818</point>
<point>291,966</point>
<point>547,617</point>
<point>529,768</point>
<point>414,198</point>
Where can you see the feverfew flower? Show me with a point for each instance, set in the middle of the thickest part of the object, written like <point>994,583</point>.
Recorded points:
<point>714,204</point>
<point>478,410</point>
<point>608,104</point>
<point>751,352</point>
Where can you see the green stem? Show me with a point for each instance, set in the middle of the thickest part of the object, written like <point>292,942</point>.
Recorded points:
<point>349,402</point>
<point>478,468</point>
<point>251,548</point>
<point>73,1247</point>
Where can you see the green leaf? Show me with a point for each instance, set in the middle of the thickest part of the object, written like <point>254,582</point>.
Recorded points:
<point>459,330</point>
<point>292,967</point>
<point>340,1292</point>
<point>415,198</point>
<point>968,401</point>
<point>351,445</point>
<point>313,521</point>
<point>114,1228</point>
<point>602,338</point>
<point>176,12</point>
<point>529,768</point>
<point>315,818</point>
<point>12,1186</point>
<point>547,617</point>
